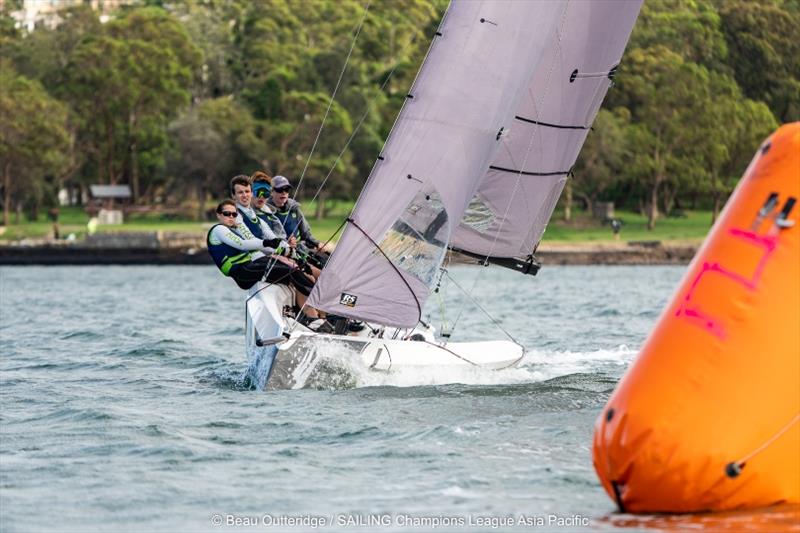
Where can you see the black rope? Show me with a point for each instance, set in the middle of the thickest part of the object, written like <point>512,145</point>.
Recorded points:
<point>334,234</point>
<point>402,277</point>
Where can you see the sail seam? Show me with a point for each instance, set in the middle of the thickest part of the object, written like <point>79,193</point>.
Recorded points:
<point>549,125</point>
<point>526,173</point>
<point>402,277</point>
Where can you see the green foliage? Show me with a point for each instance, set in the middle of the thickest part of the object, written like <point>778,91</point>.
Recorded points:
<point>689,28</point>
<point>174,97</point>
<point>765,52</point>
<point>125,83</point>
<point>33,139</point>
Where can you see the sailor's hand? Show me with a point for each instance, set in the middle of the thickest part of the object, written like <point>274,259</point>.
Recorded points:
<point>272,243</point>
<point>284,260</point>
<point>293,241</point>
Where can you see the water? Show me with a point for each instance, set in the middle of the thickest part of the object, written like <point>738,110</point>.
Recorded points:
<point>122,408</point>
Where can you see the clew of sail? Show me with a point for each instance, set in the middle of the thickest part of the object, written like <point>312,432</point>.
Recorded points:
<point>516,197</point>
<point>430,186</point>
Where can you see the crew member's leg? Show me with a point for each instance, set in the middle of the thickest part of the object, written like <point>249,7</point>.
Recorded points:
<point>246,275</point>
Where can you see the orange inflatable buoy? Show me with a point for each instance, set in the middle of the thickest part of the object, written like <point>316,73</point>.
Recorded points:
<point>708,416</point>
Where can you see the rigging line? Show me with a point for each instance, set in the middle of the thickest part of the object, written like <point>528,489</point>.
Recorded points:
<point>325,245</point>
<point>405,101</point>
<point>363,118</point>
<point>537,109</point>
<point>736,467</point>
<point>270,283</point>
<point>451,352</point>
<point>378,247</point>
<point>332,98</point>
<point>291,329</point>
<point>479,306</point>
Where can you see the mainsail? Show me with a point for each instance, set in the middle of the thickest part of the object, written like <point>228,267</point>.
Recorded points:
<point>480,150</point>
<point>508,215</point>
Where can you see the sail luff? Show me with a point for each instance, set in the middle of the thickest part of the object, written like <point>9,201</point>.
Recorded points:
<point>399,114</point>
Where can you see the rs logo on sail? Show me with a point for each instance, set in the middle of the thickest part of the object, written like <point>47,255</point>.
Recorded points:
<point>348,299</point>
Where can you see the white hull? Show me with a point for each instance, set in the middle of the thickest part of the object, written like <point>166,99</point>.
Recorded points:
<point>289,355</point>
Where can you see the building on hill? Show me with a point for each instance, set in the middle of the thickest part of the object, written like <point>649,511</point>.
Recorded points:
<point>46,12</point>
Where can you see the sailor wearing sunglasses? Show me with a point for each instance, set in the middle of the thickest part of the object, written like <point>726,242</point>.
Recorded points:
<point>247,259</point>
<point>262,188</point>
<point>294,222</point>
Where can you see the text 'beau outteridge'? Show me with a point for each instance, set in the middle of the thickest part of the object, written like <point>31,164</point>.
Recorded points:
<point>401,520</point>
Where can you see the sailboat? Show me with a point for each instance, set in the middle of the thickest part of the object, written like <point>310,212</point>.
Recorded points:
<point>474,164</point>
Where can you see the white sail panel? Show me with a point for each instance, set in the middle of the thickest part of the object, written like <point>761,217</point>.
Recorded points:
<point>446,136</point>
<point>521,187</point>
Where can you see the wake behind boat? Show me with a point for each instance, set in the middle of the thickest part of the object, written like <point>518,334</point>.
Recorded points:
<point>475,163</point>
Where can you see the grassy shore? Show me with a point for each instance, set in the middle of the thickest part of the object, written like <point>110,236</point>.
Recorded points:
<point>691,226</point>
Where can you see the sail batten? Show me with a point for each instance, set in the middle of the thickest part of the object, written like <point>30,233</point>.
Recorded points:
<point>528,173</point>
<point>547,124</point>
<point>550,127</point>
<point>477,157</point>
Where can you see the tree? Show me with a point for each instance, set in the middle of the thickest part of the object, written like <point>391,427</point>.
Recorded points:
<point>128,83</point>
<point>239,133</point>
<point>33,139</point>
<point>670,103</point>
<point>199,158</point>
<point>765,52</point>
<point>689,28</point>
<point>601,160</point>
<point>745,125</point>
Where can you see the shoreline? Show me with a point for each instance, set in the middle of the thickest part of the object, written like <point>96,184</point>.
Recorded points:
<point>162,248</point>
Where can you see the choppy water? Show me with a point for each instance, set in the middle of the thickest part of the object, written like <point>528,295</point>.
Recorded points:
<point>121,408</point>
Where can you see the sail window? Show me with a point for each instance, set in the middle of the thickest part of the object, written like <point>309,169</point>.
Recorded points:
<point>417,241</point>
<point>478,215</point>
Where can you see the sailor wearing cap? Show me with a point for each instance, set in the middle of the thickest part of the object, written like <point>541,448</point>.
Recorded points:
<point>289,213</point>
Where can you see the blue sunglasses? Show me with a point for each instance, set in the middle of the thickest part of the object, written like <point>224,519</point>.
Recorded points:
<point>261,190</point>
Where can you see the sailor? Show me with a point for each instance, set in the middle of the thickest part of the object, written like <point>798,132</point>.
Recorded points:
<point>261,185</point>
<point>242,194</point>
<point>261,188</point>
<point>294,222</point>
<point>247,259</point>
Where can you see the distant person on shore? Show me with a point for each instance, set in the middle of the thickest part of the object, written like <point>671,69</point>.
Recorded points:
<point>249,260</point>
<point>616,226</point>
<point>53,213</point>
<point>294,222</point>
<point>92,225</point>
